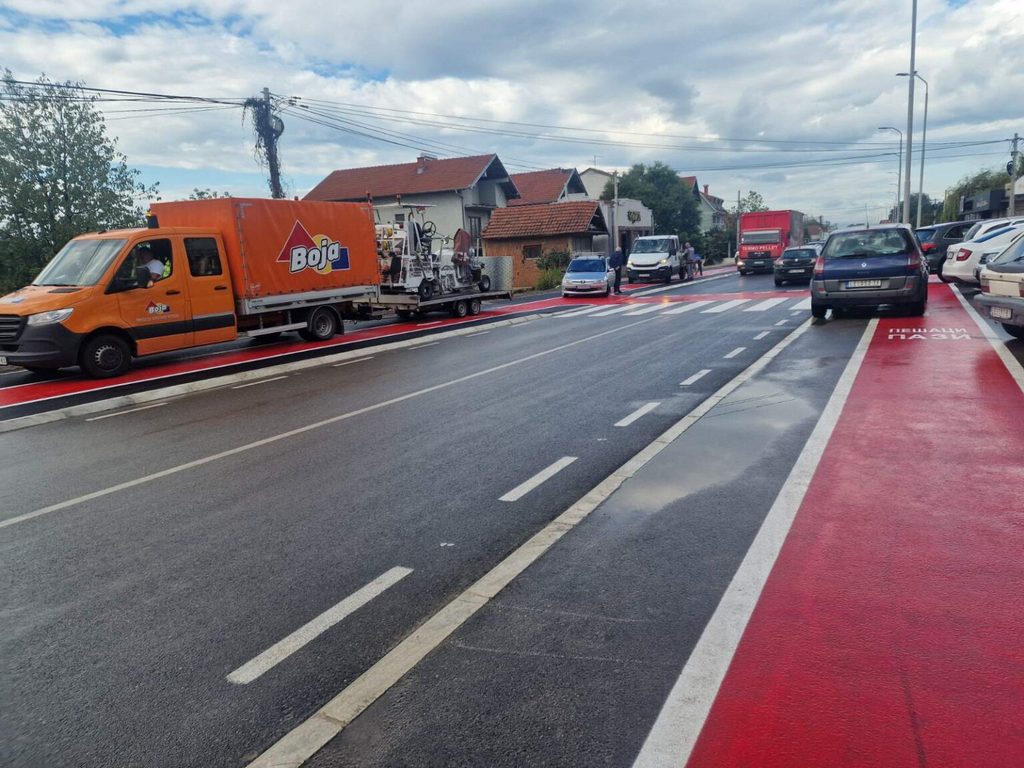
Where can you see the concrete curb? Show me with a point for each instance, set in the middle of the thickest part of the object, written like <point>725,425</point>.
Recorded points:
<point>178,390</point>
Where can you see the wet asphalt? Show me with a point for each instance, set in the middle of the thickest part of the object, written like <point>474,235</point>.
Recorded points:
<point>124,613</point>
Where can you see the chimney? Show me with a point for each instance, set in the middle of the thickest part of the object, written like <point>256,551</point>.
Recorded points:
<point>422,160</point>
<point>705,189</point>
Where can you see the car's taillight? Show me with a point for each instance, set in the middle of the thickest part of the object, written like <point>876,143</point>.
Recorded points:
<point>913,261</point>
<point>963,254</point>
<point>819,267</point>
<point>778,262</point>
<point>984,285</point>
<point>927,247</point>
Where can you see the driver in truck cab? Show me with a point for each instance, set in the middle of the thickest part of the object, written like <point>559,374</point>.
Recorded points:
<point>157,269</point>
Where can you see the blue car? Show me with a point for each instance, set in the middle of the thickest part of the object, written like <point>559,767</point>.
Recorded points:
<point>870,267</point>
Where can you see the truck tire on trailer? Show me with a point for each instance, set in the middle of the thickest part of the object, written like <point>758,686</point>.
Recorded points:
<point>425,290</point>
<point>474,306</point>
<point>321,325</point>
<point>459,308</point>
<point>485,283</point>
<point>105,355</point>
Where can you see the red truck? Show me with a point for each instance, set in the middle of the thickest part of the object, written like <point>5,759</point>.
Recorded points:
<point>764,235</point>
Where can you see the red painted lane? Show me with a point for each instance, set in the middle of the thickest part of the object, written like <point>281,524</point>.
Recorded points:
<point>889,631</point>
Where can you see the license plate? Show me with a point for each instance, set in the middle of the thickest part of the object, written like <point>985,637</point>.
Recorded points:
<point>1000,313</point>
<point>863,283</point>
<point>797,270</point>
<point>3,361</point>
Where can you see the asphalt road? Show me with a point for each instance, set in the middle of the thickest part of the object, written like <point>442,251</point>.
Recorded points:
<point>149,555</point>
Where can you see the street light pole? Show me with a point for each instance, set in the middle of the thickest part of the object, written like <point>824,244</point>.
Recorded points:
<point>899,168</point>
<point>910,113</point>
<point>924,139</point>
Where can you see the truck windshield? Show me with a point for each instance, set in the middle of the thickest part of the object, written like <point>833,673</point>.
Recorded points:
<point>80,262</point>
<point>659,245</point>
<point>760,237</point>
<point>587,265</point>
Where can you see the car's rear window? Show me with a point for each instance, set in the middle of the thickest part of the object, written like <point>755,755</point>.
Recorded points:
<point>865,243</point>
<point>799,252</point>
<point>925,235</point>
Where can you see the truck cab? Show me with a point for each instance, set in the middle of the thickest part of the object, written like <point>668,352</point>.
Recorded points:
<point>109,296</point>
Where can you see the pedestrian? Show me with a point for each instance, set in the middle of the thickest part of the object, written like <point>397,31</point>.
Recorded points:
<point>700,263</point>
<point>616,263</point>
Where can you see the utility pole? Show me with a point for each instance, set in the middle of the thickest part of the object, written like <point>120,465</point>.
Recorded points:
<point>738,214</point>
<point>268,128</point>
<point>615,211</point>
<point>1013,176</point>
<point>910,113</point>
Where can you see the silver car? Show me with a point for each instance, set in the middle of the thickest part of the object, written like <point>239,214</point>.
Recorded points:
<point>588,276</point>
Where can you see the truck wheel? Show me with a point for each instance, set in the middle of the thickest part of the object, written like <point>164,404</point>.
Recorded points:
<point>474,306</point>
<point>1017,331</point>
<point>459,308</point>
<point>104,356</point>
<point>425,290</point>
<point>778,282</point>
<point>485,283</point>
<point>321,325</point>
<point>405,314</point>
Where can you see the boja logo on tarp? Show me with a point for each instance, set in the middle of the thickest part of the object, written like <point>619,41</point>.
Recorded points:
<point>317,252</point>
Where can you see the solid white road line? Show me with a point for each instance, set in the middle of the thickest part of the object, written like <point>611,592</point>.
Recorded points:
<point>644,310</point>
<point>349,362</point>
<point>724,307</point>
<point>672,738</point>
<point>765,305</point>
<point>257,383</point>
<point>803,304</point>
<point>301,743</point>
<point>642,410</point>
<point>545,474</point>
<point>695,378</point>
<point>422,346</point>
<point>122,413</point>
<point>688,307</point>
<point>737,351</point>
<point>432,322</point>
<point>615,310</point>
<point>305,428</point>
<point>782,322</point>
<point>282,649</point>
<point>578,312</point>
<point>1012,364</point>
<point>761,335</point>
<point>478,333</point>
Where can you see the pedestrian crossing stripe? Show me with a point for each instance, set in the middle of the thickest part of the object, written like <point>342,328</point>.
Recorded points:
<point>704,306</point>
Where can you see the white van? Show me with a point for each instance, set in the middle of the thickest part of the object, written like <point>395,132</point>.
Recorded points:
<point>654,257</point>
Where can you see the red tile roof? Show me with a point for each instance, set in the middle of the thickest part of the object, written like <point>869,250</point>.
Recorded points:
<point>574,217</point>
<point>424,175</point>
<point>690,181</point>
<point>543,186</point>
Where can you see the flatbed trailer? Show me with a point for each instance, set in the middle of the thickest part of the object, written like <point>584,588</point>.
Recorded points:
<point>406,305</point>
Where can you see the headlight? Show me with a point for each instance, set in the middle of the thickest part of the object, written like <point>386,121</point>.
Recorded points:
<point>53,316</point>
<point>663,261</point>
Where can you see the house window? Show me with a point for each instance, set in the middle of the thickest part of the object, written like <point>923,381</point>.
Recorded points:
<point>531,252</point>
<point>475,226</point>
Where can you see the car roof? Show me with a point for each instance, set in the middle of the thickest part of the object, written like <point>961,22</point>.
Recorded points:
<point>876,228</point>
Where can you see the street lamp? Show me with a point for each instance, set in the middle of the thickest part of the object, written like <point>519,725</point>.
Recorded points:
<point>899,181</point>
<point>924,136</point>
<point>910,111</point>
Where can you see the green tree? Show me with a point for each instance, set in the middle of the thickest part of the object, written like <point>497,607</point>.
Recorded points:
<point>206,194</point>
<point>985,179</point>
<point>662,190</point>
<point>60,175</point>
<point>752,202</point>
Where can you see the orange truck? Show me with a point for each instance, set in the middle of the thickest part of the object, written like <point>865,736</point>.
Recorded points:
<point>203,272</point>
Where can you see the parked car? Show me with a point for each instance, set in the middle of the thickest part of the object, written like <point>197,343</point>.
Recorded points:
<point>795,264</point>
<point>817,245</point>
<point>985,226</point>
<point>1002,289</point>
<point>588,275</point>
<point>653,257</point>
<point>870,267</point>
<point>936,239</point>
<point>962,260</point>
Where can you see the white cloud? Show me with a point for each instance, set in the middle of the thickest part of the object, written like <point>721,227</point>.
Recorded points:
<point>797,70</point>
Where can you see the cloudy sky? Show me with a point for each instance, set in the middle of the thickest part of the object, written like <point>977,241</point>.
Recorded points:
<point>780,96</point>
